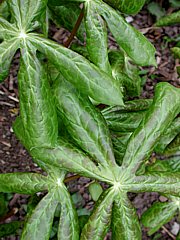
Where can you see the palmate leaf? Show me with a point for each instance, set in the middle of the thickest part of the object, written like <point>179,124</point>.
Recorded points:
<point>125,223</point>
<point>7,50</point>
<point>137,47</point>
<point>127,6</point>
<point>100,219</point>
<point>94,82</point>
<point>158,215</point>
<point>174,147</point>
<point>66,156</point>
<point>96,37</point>
<point>155,122</point>
<point>84,123</point>
<point>68,228</point>
<point>4,10</point>
<point>26,183</point>
<point>25,12</point>
<point>66,16</point>
<point>38,113</point>
<point>39,223</point>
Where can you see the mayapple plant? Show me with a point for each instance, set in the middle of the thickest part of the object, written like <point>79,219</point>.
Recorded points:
<point>64,132</point>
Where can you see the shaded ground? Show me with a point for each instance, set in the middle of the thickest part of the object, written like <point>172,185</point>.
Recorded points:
<point>14,158</point>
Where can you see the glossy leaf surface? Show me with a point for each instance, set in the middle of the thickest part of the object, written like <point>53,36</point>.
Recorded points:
<point>7,50</point>
<point>68,228</point>
<point>101,217</point>
<point>158,215</point>
<point>38,225</point>
<point>26,183</point>
<point>144,138</point>
<point>84,123</point>
<point>96,37</point>
<point>125,223</point>
<point>36,102</point>
<point>89,79</point>
<point>137,47</point>
<point>127,6</point>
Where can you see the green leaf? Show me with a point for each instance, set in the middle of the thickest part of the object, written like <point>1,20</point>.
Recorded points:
<point>165,183</point>
<point>25,12</point>
<point>95,190</point>
<point>137,47</point>
<point>96,37</point>
<point>174,147</point>
<point>3,204</point>
<point>157,119</point>
<point>168,136</point>
<point>127,6</point>
<point>125,73</point>
<point>88,77</point>
<point>129,106</point>
<point>156,10</point>
<point>176,51</point>
<point>37,109</point>
<point>4,10</point>
<point>124,122</point>
<point>7,30</point>
<point>39,223</point>
<point>168,165</point>
<point>171,19</point>
<point>175,3</point>
<point>26,183</point>
<point>66,16</point>
<point>100,219</point>
<point>125,223</point>
<point>7,50</point>
<point>68,224</point>
<point>119,145</point>
<point>67,156</point>
<point>84,123</point>
<point>158,215</point>
<point>8,229</point>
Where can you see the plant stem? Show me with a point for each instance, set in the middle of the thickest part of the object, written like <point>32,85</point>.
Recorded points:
<point>68,179</point>
<point>75,29</point>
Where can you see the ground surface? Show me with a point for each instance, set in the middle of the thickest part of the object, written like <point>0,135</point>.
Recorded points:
<point>14,158</point>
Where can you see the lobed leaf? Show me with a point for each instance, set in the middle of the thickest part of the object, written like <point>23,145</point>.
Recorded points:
<point>96,37</point>
<point>25,183</point>
<point>89,79</point>
<point>7,50</point>
<point>159,116</point>
<point>100,219</point>
<point>165,183</point>
<point>125,223</point>
<point>39,223</point>
<point>137,47</point>
<point>84,123</point>
<point>158,215</point>
<point>68,228</point>
<point>174,147</point>
<point>25,12</point>
<point>66,156</point>
<point>37,109</point>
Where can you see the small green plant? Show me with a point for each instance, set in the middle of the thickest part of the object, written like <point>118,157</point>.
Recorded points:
<point>64,132</point>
